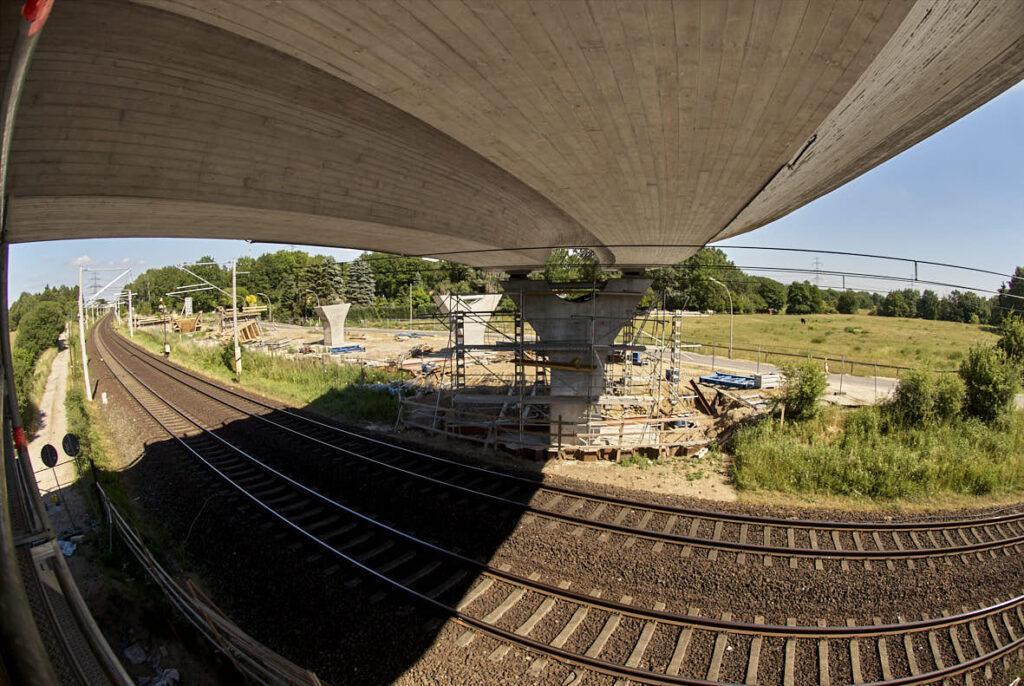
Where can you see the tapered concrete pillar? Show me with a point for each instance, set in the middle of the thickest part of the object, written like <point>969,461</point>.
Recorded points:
<point>575,337</point>
<point>333,319</point>
<point>477,311</point>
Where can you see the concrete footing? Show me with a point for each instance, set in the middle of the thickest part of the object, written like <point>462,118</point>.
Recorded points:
<point>476,311</point>
<point>575,338</point>
<point>333,319</point>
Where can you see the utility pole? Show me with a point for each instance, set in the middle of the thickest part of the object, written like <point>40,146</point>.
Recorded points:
<point>131,317</point>
<point>410,306</point>
<point>234,321</point>
<point>81,337</point>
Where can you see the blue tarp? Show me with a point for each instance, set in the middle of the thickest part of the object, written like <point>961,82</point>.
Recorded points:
<point>729,380</point>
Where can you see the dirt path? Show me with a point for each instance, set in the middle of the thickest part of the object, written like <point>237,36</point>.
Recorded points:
<point>55,484</point>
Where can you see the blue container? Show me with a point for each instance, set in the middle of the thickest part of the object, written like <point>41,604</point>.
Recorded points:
<point>636,358</point>
<point>671,374</point>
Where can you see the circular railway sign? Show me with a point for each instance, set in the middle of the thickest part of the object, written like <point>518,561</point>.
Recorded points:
<point>49,455</point>
<point>71,445</point>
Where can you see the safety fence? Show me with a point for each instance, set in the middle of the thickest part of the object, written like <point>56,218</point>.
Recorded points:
<point>251,658</point>
<point>834,363</point>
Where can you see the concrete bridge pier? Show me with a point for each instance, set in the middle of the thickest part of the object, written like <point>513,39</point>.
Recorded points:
<point>574,339</point>
<point>333,319</point>
<point>476,309</point>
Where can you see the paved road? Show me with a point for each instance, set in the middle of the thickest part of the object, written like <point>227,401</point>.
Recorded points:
<point>52,427</point>
<point>856,390</point>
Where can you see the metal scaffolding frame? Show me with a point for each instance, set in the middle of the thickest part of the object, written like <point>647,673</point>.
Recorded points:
<point>518,416</point>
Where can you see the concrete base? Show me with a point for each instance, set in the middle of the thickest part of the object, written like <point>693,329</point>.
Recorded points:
<point>333,319</point>
<point>476,309</point>
<point>574,336</point>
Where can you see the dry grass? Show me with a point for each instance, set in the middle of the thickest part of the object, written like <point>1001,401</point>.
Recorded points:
<point>862,338</point>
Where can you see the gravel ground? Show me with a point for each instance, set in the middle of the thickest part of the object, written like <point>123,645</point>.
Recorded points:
<point>300,609</point>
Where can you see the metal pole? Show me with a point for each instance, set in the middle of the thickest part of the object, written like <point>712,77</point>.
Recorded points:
<point>842,373</point>
<point>270,307</point>
<point>410,305</point>
<point>234,321</point>
<point>81,337</point>
<point>758,358</point>
<point>729,293</point>
<point>131,317</point>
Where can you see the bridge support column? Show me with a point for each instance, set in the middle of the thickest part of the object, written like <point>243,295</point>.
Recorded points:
<point>333,319</point>
<point>476,309</point>
<point>574,342</point>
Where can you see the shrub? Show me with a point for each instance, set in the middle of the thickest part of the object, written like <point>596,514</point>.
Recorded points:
<point>913,402</point>
<point>227,356</point>
<point>804,385</point>
<point>1011,339</point>
<point>40,328</point>
<point>990,380</point>
<point>949,396</point>
<point>922,396</point>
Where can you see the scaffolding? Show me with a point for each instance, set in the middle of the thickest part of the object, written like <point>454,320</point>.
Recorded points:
<point>486,392</point>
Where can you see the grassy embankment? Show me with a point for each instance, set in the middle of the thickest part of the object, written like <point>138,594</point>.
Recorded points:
<point>39,376</point>
<point>856,455</point>
<point>330,389</point>
<point>863,338</point>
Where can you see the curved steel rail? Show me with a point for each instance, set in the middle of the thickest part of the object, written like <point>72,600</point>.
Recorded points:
<point>623,609</point>
<point>679,539</point>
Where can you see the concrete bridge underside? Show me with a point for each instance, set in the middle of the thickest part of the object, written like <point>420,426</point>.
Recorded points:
<point>476,130</point>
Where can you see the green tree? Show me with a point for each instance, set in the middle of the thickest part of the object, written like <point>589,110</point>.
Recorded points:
<point>772,292</point>
<point>847,303</point>
<point>359,284</point>
<point>991,380</point>
<point>802,389</point>
<point>900,304</point>
<point>1011,339</point>
<point>40,328</point>
<point>1011,297</point>
<point>573,266</point>
<point>323,276</point>
<point>963,307</point>
<point>928,305</point>
<point>804,298</point>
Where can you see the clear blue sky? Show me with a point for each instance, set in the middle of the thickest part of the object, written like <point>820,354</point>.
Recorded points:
<point>956,197</point>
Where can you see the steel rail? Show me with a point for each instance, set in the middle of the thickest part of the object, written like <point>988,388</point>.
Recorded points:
<point>711,515</point>
<point>679,619</point>
<point>679,539</point>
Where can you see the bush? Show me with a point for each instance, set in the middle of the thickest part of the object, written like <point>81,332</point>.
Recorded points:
<point>804,385</point>
<point>990,379</point>
<point>913,401</point>
<point>1011,339</point>
<point>40,328</point>
<point>949,397</point>
<point>922,396</point>
<point>227,356</point>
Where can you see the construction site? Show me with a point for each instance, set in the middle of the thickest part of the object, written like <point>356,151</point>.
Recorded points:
<point>568,379</point>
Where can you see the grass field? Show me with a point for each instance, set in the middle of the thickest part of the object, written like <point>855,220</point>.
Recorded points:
<point>862,338</point>
<point>330,389</point>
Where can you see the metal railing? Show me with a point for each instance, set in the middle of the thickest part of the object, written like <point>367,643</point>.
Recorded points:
<point>249,656</point>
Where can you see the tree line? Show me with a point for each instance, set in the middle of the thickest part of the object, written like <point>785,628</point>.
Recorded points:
<point>293,282</point>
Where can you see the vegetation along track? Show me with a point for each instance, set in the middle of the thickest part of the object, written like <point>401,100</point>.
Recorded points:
<point>649,645</point>
<point>746,536</point>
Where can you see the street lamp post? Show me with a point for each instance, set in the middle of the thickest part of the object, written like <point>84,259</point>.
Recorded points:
<point>730,311</point>
<point>270,307</point>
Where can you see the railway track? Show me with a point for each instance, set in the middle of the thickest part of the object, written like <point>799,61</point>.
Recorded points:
<point>612,636</point>
<point>765,540</point>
